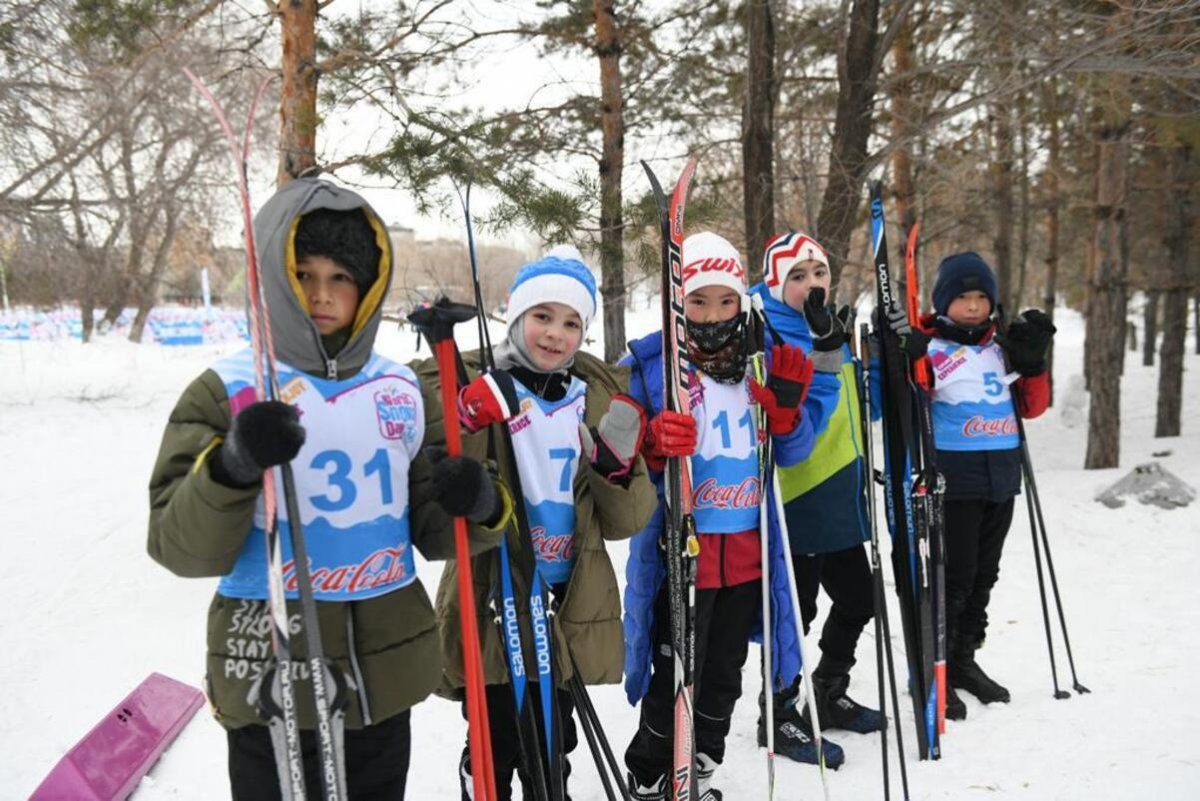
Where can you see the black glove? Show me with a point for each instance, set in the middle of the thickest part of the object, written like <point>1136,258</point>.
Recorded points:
<point>913,341</point>
<point>464,487</point>
<point>830,326</point>
<point>1027,340</point>
<point>264,434</point>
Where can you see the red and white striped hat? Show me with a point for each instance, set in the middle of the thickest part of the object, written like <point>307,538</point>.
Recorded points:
<point>783,253</point>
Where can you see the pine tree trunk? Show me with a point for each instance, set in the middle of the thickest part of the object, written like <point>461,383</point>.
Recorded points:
<point>298,94</point>
<point>857,78</point>
<point>1052,205</point>
<point>612,164</point>
<point>758,134</point>
<point>1150,328</point>
<point>903,113</point>
<point>1109,260</point>
<point>1018,295</point>
<point>1180,223</point>
<point>1000,172</point>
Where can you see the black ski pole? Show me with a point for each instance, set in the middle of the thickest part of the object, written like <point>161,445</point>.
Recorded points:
<point>585,723</point>
<point>877,569</point>
<point>1036,505</point>
<point>590,711</point>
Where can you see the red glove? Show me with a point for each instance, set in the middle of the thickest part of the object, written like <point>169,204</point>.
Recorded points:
<point>669,434</point>
<point>490,398</point>
<point>780,399</point>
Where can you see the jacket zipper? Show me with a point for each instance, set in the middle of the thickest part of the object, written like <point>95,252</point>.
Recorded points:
<point>331,369</point>
<point>361,686</point>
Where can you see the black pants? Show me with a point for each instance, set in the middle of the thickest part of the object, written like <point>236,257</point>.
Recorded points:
<point>376,762</point>
<point>506,733</point>
<point>975,533</point>
<point>725,619</point>
<point>846,577</point>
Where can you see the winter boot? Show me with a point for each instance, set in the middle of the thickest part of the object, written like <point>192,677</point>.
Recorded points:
<point>794,740</point>
<point>467,785</point>
<point>966,674</point>
<point>654,791</point>
<point>706,766</point>
<point>956,709</point>
<point>838,710</point>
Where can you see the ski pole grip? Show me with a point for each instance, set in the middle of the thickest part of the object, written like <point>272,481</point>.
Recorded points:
<point>436,321</point>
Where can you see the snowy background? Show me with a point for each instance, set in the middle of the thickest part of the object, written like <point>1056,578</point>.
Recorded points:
<point>85,614</point>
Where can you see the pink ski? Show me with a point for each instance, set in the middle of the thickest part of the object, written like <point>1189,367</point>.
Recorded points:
<point>108,763</point>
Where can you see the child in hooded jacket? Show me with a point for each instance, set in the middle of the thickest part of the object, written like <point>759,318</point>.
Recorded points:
<point>576,442</point>
<point>720,437</point>
<point>824,501</point>
<point>982,379</point>
<point>351,423</point>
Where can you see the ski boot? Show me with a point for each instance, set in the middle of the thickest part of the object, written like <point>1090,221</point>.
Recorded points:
<point>706,766</point>
<point>654,791</point>
<point>838,710</point>
<point>956,708</point>
<point>966,674</point>
<point>794,740</point>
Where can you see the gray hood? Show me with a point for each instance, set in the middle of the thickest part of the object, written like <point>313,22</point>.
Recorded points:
<point>297,339</point>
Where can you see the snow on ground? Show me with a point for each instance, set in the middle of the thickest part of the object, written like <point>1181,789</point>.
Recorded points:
<point>85,614</point>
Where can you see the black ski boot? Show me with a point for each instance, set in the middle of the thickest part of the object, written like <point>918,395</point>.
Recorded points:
<point>956,709</point>
<point>966,674</point>
<point>652,791</point>
<point>794,740</point>
<point>838,710</point>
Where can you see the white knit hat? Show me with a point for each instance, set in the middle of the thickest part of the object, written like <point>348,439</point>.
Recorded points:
<point>553,279</point>
<point>709,260</point>
<point>782,255</point>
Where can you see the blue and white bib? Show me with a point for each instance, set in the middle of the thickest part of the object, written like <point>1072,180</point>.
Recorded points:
<point>545,438</point>
<point>351,480</point>
<point>972,406</point>
<point>725,484</point>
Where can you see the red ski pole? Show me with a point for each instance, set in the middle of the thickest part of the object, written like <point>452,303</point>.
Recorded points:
<point>436,324</point>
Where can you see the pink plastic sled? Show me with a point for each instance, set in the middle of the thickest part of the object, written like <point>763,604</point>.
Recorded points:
<point>108,763</point>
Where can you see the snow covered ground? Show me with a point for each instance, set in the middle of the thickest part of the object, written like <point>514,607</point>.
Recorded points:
<point>85,614</point>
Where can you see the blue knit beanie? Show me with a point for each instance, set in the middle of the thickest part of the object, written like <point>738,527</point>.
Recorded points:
<point>962,272</point>
<point>551,279</point>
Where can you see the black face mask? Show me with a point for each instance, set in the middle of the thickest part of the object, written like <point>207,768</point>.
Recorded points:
<point>719,349</point>
<point>962,334</point>
<point>711,337</point>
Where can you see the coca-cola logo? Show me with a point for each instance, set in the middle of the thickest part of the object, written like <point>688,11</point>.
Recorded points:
<point>979,426</point>
<point>710,494</point>
<point>381,568</point>
<point>550,548</point>
<point>726,265</point>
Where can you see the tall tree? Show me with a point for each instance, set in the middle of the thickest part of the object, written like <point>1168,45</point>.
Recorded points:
<point>1177,235</point>
<point>298,118</point>
<point>758,133</point>
<point>611,166</point>
<point>858,72</point>
<point>1109,260</point>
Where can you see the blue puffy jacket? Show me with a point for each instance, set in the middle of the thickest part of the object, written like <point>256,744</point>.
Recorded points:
<point>645,570</point>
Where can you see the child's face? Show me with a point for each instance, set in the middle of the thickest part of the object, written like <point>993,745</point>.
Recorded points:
<point>970,308</point>
<point>712,304</point>
<point>802,279</point>
<point>331,292</point>
<point>553,332</point>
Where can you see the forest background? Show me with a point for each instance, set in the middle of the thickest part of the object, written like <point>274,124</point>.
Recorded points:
<point>1057,139</point>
